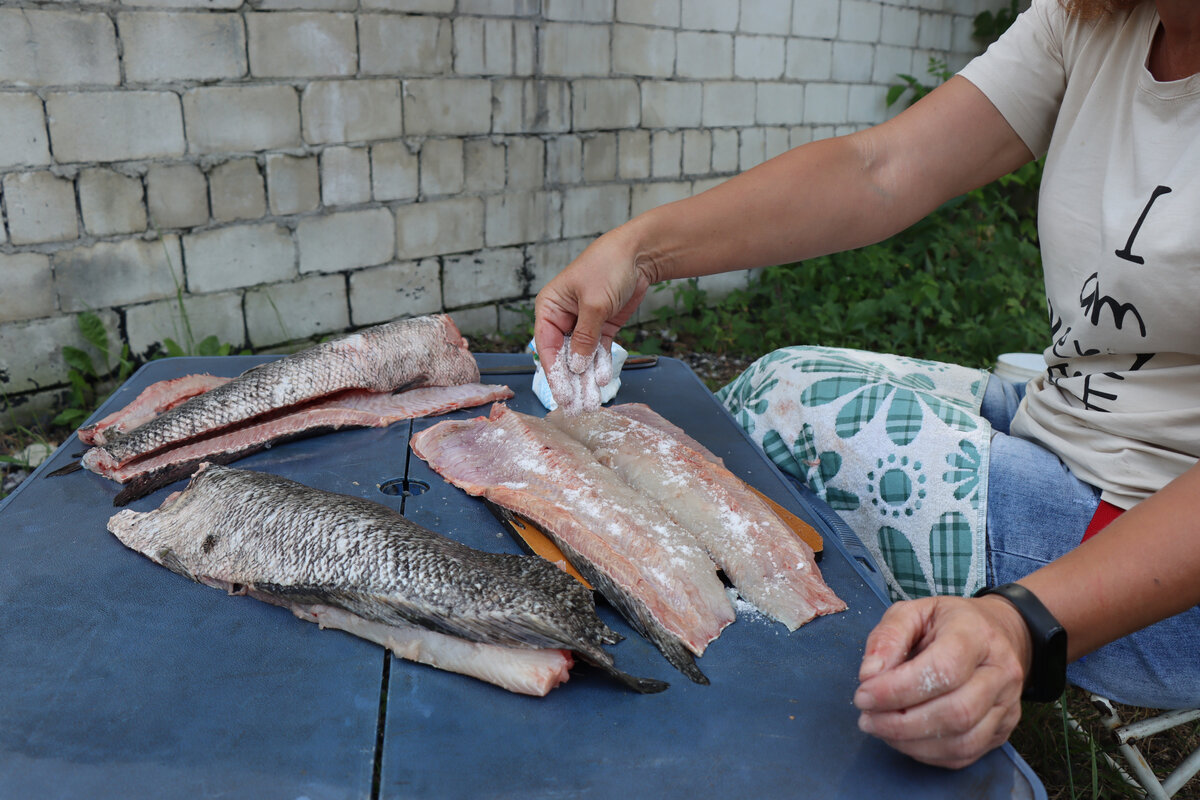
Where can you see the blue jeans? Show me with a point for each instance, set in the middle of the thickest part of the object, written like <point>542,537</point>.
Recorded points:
<point>1038,511</point>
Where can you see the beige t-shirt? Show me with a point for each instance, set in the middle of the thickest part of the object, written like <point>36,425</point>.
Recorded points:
<point>1119,224</point>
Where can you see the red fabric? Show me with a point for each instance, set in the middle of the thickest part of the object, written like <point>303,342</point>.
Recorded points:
<point>1105,513</point>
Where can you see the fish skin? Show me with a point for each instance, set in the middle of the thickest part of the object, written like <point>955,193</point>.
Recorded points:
<point>305,548</point>
<point>770,566</point>
<point>411,353</point>
<point>152,401</point>
<point>664,584</point>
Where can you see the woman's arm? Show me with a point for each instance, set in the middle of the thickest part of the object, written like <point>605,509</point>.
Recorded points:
<point>941,678</point>
<point>830,195</point>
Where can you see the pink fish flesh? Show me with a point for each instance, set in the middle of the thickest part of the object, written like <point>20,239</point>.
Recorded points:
<point>153,400</point>
<point>770,566</point>
<point>353,564</point>
<point>648,567</point>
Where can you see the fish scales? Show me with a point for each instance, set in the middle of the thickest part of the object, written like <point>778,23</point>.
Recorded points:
<point>770,566</point>
<point>311,550</point>
<point>647,566</point>
<point>424,351</point>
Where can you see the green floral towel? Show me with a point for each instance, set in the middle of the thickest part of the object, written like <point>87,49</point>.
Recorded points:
<point>895,445</point>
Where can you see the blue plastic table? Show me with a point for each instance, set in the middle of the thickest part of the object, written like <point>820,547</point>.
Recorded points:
<point>124,680</point>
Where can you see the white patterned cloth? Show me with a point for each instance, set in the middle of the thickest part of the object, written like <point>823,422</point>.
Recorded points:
<point>895,445</point>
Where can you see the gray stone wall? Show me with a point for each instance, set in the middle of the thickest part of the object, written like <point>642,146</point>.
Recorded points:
<point>294,168</point>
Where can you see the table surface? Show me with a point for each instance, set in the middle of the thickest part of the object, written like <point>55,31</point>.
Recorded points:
<point>122,679</point>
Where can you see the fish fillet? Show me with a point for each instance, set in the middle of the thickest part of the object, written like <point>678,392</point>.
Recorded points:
<point>648,567</point>
<point>425,351</point>
<point>353,564</point>
<point>769,565</point>
<point>152,401</point>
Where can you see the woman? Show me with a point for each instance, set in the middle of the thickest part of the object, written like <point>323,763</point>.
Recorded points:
<point>1109,92</point>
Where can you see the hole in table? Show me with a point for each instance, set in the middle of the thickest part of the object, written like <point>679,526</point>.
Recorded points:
<point>403,487</point>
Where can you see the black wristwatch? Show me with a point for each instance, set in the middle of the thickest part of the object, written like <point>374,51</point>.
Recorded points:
<point>1048,670</point>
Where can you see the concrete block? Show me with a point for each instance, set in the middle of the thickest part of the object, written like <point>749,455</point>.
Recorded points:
<point>825,102</point>
<point>306,5</point>
<point>114,126</point>
<point>564,160</point>
<point>110,274</point>
<point>766,16</point>
<point>236,191</point>
<point>484,165</point>
<point>723,283</point>
<point>899,26</point>
<point>525,37</point>
<point>400,45</point>
<point>809,60</point>
<point>758,57</point>
<point>671,104</point>
<point>177,196</point>
<point>478,321</point>
<point>41,207</point>
<point>800,134</point>
<point>591,210</point>
<point>412,6</point>
<point>752,148</point>
<point>853,62</point>
<point>697,152</point>
<point>288,312</point>
<point>531,106</point>
<point>638,50</point>
<point>301,44</point>
<point>483,277</point>
<point>345,176</point>
<point>639,12</point>
<point>706,15</point>
<point>633,154</point>
<point>346,240</point>
<point>605,104</point>
<point>239,255</point>
<point>547,259</point>
<point>439,227</point>
<point>442,167</point>
<point>666,154</point>
<point>578,10</point>
<point>866,103</point>
<point>339,112</point>
<point>111,203</point>
<point>728,103</point>
<point>600,157</point>
<point>860,21</point>
<point>574,49</point>
<point>499,8</point>
<point>936,32</point>
<point>293,184</point>
<point>394,171</point>
<point>725,151</point>
<point>779,104</point>
<point>447,106</point>
<point>520,217</point>
<point>31,352</point>
<point>42,47</point>
<point>776,141</point>
<point>28,287</point>
<point>149,325</point>
<point>704,55</point>
<point>393,291</point>
<point>23,138</point>
<point>162,46</point>
<point>241,119</point>
<point>962,41</point>
<point>516,318</point>
<point>891,61</point>
<point>484,46</point>
<point>215,5</point>
<point>526,163</point>
<point>815,19</point>
<point>704,184</point>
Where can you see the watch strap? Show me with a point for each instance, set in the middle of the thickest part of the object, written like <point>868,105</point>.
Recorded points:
<point>1048,666</point>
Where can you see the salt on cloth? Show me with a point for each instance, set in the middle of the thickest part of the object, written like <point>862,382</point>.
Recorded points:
<point>578,391</point>
<point>895,445</point>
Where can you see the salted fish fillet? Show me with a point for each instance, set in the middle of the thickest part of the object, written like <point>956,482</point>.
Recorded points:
<point>360,566</point>
<point>648,567</point>
<point>770,566</point>
<point>354,409</point>
<point>411,353</point>
<point>152,401</point>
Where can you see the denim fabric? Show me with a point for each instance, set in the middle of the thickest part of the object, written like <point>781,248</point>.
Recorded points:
<point>1038,511</point>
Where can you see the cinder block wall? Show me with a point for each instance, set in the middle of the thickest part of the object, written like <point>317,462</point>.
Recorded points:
<point>293,168</point>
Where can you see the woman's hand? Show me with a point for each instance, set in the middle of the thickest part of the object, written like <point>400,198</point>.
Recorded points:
<point>592,298</point>
<point>941,678</point>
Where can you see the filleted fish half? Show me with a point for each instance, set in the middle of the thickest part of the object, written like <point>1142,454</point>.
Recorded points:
<point>360,566</point>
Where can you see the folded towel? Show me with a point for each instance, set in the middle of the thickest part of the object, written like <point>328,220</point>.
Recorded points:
<point>587,391</point>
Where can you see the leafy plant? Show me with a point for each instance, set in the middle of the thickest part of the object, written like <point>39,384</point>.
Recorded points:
<point>82,374</point>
